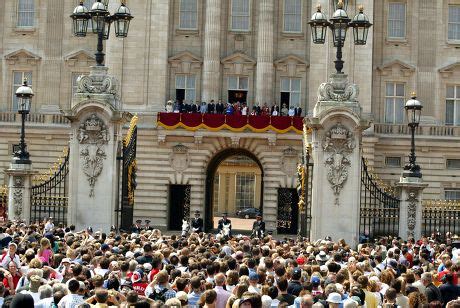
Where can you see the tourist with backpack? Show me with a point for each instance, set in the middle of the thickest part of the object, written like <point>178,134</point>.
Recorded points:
<point>159,289</point>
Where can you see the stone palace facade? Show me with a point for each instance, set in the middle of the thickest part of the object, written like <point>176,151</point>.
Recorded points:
<point>258,51</point>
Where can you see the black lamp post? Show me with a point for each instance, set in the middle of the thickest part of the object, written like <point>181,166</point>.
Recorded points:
<point>101,20</point>
<point>339,24</point>
<point>413,111</point>
<point>24,94</point>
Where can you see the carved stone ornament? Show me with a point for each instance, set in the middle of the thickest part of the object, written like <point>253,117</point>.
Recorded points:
<point>338,89</point>
<point>289,161</point>
<point>338,145</point>
<point>412,214</point>
<point>18,202</point>
<point>179,158</point>
<point>97,82</point>
<point>93,136</point>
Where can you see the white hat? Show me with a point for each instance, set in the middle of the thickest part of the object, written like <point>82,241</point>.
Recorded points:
<point>334,297</point>
<point>129,254</point>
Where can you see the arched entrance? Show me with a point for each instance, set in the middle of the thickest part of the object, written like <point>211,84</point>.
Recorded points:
<point>216,161</point>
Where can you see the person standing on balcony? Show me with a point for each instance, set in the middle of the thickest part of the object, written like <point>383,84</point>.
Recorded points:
<point>220,107</point>
<point>211,107</point>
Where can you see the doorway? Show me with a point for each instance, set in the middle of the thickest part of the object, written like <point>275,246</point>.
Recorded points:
<point>234,185</point>
<point>237,96</point>
<point>179,205</point>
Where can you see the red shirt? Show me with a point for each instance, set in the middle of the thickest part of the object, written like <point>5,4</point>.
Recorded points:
<point>15,281</point>
<point>153,273</point>
<point>140,287</point>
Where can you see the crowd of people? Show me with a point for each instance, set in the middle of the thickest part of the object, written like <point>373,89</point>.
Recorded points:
<point>47,265</point>
<point>235,108</point>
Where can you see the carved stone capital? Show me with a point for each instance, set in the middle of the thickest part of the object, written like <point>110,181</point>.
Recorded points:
<point>338,89</point>
<point>98,82</point>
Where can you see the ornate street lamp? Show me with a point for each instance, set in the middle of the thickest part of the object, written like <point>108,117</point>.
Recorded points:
<point>339,24</point>
<point>413,111</point>
<point>24,94</point>
<point>101,20</point>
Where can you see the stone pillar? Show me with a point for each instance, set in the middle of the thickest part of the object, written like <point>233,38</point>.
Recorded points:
<point>96,123</point>
<point>211,55</point>
<point>19,185</point>
<point>265,70</point>
<point>410,208</point>
<point>337,124</point>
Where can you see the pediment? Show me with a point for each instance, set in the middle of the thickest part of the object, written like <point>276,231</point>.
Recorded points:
<point>291,59</point>
<point>80,55</point>
<point>238,58</point>
<point>449,69</point>
<point>404,67</point>
<point>22,55</point>
<point>185,56</point>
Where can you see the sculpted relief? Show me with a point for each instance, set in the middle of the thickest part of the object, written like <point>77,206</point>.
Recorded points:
<point>93,136</point>
<point>338,145</point>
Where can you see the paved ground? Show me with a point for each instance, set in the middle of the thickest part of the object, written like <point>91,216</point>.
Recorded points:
<point>237,223</point>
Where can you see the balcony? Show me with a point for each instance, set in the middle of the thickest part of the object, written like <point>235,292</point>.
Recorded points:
<point>34,118</point>
<point>422,130</point>
<point>234,123</point>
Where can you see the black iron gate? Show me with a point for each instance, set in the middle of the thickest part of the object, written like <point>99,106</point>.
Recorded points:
<point>49,198</point>
<point>128,176</point>
<point>288,211</point>
<point>379,210</point>
<point>179,205</point>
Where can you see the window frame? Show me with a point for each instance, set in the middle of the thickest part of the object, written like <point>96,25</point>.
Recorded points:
<point>393,165</point>
<point>187,76</point>
<point>248,177</point>
<point>248,16</point>
<point>292,91</point>
<point>238,77</point>
<point>15,86</point>
<point>19,12</point>
<point>450,189</point>
<point>452,159</point>
<point>456,101</point>
<point>300,16</point>
<point>196,17</point>
<point>452,40</point>
<point>396,38</point>
<point>393,97</point>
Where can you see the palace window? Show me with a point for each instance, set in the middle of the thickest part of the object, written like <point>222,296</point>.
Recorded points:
<point>454,23</point>
<point>396,20</point>
<point>292,16</point>
<point>26,13</point>
<point>452,163</point>
<point>290,91</point>
<point>188,15</point>
<point>237,89</point>
<point>394,102</point>
<point>240,15</point>
<point>245,190</point>
<point>453,105</point>
<point>18,78</point>
<point>393,161</point>
<point>452,194</point>
<point>185,88</point>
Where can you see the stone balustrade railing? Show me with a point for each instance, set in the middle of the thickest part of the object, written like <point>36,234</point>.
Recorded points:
<point>424,130</point>
<point>36,118</point>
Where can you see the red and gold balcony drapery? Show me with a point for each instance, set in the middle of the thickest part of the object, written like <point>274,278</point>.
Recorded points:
<point>235,123</point>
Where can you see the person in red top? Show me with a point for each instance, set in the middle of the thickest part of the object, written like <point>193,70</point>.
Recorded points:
<point>139,284</point>
<point>12,277</point>
<point>448,269</point>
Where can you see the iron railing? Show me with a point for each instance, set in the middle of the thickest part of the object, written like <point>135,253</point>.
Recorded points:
<point>379,209</point>
<point>49,198</point>
<point>440,218</point>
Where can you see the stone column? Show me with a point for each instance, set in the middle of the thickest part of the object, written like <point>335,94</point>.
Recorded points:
<point>211,55</point>
<point>96,123</point>
<point>410,208</point>
<point>19,185</point>
<point>337,124</point>
<point>265,70</point>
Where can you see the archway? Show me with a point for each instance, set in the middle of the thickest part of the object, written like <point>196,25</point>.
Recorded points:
<point>211,171</point>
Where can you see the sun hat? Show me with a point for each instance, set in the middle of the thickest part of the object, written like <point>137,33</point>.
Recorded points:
<point>334,297</point>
